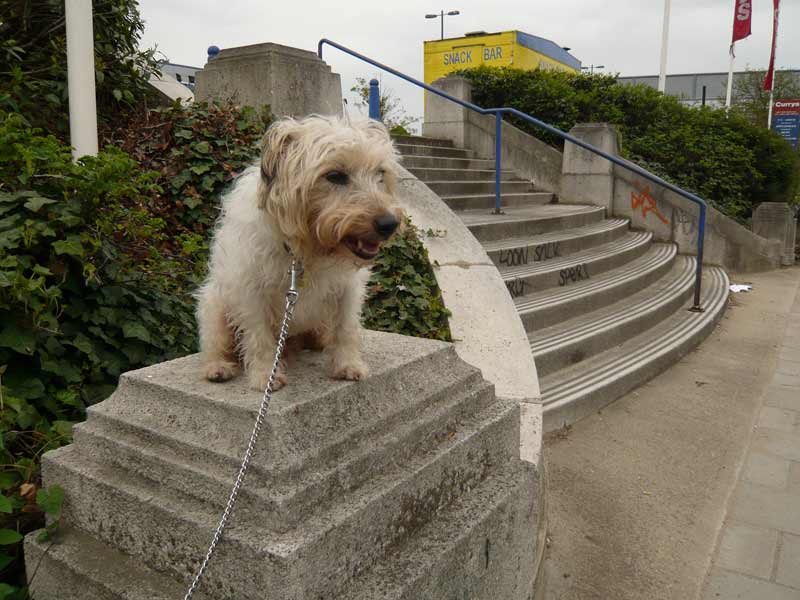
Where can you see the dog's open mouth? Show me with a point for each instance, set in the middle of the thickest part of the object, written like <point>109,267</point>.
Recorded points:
<point>362,247</point>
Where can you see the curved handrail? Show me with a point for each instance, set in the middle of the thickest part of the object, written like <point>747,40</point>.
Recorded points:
<point>499,112</point>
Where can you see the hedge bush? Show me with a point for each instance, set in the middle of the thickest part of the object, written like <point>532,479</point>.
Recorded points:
<point>723,158</point>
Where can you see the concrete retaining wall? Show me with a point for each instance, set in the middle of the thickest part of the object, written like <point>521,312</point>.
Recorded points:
<point>528,156</point>
<point>652,207</point>
<point>293,82</point>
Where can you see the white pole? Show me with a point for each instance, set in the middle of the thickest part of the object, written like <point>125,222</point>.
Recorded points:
<point>730,82</point>
<point>769,114</point>
<point>662,78</point>
<point>80,78</point>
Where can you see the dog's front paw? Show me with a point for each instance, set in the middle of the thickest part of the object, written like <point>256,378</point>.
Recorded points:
<point>221,370</point>
<point>260,378</point>
<point>353,371</point>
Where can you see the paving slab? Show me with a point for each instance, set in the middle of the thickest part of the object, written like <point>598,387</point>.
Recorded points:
<point>748,550</point>
<point>788,572</point>
<point>637,493</point>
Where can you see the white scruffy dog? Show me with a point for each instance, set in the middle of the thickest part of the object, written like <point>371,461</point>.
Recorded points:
<point>323,193</point>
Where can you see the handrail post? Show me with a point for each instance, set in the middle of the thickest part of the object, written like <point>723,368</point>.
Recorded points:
<point>698,281</point>
<point>498,159</point>
<point>374,100</point>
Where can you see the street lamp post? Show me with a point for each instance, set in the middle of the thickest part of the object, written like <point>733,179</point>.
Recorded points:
<point>441,16</point>
<point>591,68</point>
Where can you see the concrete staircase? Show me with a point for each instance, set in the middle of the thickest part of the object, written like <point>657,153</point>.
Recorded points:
<point>605,307</point>
<point>405,486</point>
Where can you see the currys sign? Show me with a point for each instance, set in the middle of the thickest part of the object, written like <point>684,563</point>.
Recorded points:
<point>786,119</point>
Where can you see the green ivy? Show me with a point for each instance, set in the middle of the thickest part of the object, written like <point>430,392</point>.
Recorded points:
<point>723,158</point>
<point>402,295</point>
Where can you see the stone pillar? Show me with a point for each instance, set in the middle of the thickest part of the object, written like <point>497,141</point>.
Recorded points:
<point>292,81</point>
<point>407,485</point>
<point>585,177</point>
<point>776,221</point>
<point>445,119</point>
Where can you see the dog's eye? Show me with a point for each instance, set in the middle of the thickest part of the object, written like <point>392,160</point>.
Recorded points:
<point>381,174</point>
<point>338,178</point>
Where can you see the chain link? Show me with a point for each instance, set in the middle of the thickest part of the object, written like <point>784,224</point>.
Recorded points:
<point>291,299</point>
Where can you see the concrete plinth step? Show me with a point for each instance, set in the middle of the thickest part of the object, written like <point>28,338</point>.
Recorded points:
<point>285,497</point>
<point>582,292</point>
<point>169,531</point>
<point>76,566</point>
<point>547,246</point>
<point>434,568</point>
<point>456,174</point>
<point>527,221</point>
<point>596,260</point>
<point>507,200</point>
<point>588,334</point>
<point>421,141</point>
<point>575,392</point>
<point>425,150</point>
<point>411,161</point>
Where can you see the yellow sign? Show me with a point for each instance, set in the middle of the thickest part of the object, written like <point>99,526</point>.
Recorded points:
<point>507,48</point>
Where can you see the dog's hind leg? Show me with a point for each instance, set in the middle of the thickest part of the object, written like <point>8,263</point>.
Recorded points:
<point>217,339</point>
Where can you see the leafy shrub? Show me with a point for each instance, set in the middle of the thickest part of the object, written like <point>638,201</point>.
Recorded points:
<point>402,295</point>
<point>33,76</point>
<point>721,157</point>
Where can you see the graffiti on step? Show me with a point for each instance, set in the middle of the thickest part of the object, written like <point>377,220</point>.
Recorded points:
<point>516,287</point>
<point>642,199</point>
<point>573,274</point>
<point>684,221</point>
<point>522,256</point>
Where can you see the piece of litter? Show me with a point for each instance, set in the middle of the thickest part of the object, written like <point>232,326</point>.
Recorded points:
<point>741,287</point>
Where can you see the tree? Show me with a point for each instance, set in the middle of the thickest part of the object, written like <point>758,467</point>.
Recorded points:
<point>392,114</point>
<point>752,102</point>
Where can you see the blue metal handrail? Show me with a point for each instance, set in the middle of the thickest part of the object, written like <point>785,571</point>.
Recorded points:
<point>499,112</point>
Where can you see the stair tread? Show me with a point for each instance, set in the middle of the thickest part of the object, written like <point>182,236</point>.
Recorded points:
<point>555,236</point>
<point>565,385</point>
<point>482,216</point>
<point>629,241</point>
<point>675,282</point>
<point>502,195</point>
<point>656,256</point>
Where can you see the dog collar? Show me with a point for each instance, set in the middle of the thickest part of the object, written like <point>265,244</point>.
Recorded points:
<point>299,269</point>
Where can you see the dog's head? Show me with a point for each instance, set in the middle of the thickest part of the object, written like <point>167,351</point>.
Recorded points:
<point>329,186</point>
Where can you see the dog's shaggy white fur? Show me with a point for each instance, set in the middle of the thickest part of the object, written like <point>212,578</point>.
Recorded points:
<point>324,191</point>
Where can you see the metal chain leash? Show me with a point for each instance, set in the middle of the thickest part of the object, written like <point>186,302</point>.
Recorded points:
<point>291,299</point>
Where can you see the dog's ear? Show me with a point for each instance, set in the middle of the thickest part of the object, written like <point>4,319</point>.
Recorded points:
<point>274,147</point>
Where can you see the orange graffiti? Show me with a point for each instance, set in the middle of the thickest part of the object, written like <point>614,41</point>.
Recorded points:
<point>647,203</point>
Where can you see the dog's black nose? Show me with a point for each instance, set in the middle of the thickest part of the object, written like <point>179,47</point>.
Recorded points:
<point>385,225</point>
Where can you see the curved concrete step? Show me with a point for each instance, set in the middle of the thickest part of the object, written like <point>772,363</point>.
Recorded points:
<point>425,174</point>
<point>445,189</point>
<point>573,393</point>
<point>583,293</point>
<point>514,252</point>
<point>417,150</point>
<point>412,161</point>
<point>528,221</point>
<point>507,200</point>
<point>586,335</point>
<point>595,260</point>
<point>418,140</point>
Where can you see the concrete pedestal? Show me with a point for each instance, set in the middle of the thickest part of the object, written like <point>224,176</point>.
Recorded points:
<point>406,486</point>
<point>776,221</point>
<point>293,82</point>
<point>587,178</point>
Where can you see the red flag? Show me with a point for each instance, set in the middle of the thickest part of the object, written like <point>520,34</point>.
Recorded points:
<point>742,19</point>
<point>771,70</point>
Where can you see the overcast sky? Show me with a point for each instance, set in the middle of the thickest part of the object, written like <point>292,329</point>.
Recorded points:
<point>623,35</point>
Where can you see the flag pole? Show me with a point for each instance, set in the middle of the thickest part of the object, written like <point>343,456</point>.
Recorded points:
<point>662,78</point>
<point>730,82</point>
<point>771,71</point>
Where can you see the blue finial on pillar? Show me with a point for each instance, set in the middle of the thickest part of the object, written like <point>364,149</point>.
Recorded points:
<point>212,52</point>
<point>374,100</point>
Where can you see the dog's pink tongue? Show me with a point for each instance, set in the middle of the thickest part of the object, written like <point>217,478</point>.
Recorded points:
<point>368,247</point>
